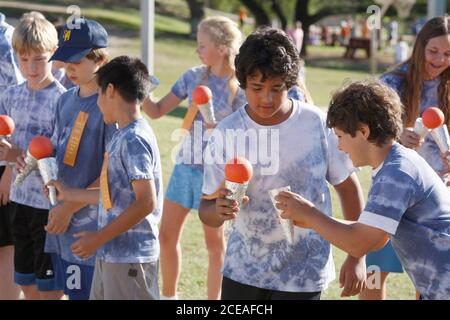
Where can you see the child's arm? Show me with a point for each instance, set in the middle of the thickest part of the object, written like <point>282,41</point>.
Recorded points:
<point>355,238</point>
<point>351,197</point>
<point>5,185</point>
<point>216,211</point>
<point>60,216</point>
<point>89,195</point>
<point>89,242</point>
<point>162,107</point>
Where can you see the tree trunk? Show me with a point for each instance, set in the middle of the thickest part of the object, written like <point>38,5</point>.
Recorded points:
<point>302,15</point>
<point>197,11</point>
<point>280,14</point>
<point>261,17</point>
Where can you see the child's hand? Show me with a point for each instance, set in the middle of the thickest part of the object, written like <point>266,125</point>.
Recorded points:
<point>58,220</point>
<point>352,276</point>
<point>226,208</point>
<point>61,192</point>
<point>20,162</point>
<point>87,244</point>
<point>410,139</point>
<point>295,207</point>
<point>5,147</point>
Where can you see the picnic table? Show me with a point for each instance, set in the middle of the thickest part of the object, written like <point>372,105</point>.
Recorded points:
<point>357,43</point>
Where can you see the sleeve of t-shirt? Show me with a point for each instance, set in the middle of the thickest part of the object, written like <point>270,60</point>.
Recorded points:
<point>180,88</point>
<point>240,100</point>
<point>296,94</point>
<point>137,157</point>
<point>389,197</point>
<point>392,81</point>
<point>340,167</point>
<point>56,128</point>
<point>213,166</point>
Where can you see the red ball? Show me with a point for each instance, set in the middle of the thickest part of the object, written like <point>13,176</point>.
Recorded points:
<point>433,117</point>
<point>201,95</point>
<point>40,147</point>
<point>6,125</point>
<point>238,170</point>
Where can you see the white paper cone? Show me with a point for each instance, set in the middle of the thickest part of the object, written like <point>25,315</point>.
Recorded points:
<point>442,139</point>
<point>49,171</point>
<point>286,224</point>
<point>154,83</point>
<point>31,164</point>
<point>237,190</point>
<point>207,112</point>
<point>420,129</point>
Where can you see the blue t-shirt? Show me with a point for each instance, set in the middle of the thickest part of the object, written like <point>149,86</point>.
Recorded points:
<point>428,98</point>
<point>133,155</point>
<point>191,150</point>
<point>300,152</point>
<point>87,166</point>
<point>410,202</point>
<point>9,71</point>
<point>34,114</point>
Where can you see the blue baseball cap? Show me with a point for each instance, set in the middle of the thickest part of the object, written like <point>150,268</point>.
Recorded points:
<point>78,39</point>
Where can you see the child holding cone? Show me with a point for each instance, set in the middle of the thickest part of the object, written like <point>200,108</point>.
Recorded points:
<point>32,106</point>
<point>260,262</point>
<point>407,200</point>
<point>131,191</point>
<point>218,40</point>
<point>9,76</point>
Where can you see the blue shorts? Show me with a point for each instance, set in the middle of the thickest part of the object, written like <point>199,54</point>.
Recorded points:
<point>386,259</point>
<point>185,186</point>
<point>75,279</point>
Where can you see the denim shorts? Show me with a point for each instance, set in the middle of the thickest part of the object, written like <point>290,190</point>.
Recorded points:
<point>185,186</point>
<point>386,259</point>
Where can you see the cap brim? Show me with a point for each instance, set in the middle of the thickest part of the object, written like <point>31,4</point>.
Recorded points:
<point>66,54</point>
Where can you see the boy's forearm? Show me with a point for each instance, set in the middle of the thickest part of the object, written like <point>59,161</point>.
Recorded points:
<point>208,215</point>
<point>13,154</point>
<point>341,234</point>
<point>83,196</point>
<point>134,214</point>
<point>77,204</point>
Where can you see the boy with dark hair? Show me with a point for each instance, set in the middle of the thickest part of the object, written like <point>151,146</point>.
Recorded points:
<point>260,263</point>
<point>407,201</point>
<point>131,191</point>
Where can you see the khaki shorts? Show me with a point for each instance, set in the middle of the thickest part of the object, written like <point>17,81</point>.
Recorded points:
<point>125,281</point>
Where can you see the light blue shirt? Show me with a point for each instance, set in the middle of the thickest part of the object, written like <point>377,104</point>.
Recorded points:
<point>133,155</point>
<point>87,166</point>
<point>428,98</point>
<point>33,113</point>
<point>9,71</point>
<point>410,202</point>
<point>304,156</point>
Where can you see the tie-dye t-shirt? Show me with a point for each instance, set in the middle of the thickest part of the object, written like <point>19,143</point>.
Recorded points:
<point>302,153</point>
<point>133,155</point>
<point>428,98</point>
<point>87,166</point>
<point>410,202</point>
<point>9,71</point>
<point>192,147</point>
<point>33,112</point>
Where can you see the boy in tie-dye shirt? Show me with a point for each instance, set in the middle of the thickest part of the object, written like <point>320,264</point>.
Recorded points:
<point>288,144</point>
<point>131,191</point>
<point>407,201</point>
<point>32,106</point>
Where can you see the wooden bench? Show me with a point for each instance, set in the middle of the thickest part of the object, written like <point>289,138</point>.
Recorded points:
<point>357,43</point>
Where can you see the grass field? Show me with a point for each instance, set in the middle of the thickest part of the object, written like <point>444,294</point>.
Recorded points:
<point>173,55</point>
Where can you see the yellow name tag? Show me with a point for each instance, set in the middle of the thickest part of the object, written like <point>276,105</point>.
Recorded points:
<point>75,138</point>
<point>104,187</point>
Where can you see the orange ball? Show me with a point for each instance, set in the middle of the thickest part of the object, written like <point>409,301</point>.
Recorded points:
<point>238,170</point>
<point>432,117</point>
<point>6,125</point>
<point>201,95</point>
<point>40,147</point>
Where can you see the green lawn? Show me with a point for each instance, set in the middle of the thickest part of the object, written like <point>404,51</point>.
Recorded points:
<point>173,55</point>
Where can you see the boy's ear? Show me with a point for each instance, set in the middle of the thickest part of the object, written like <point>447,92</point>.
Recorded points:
<point>365,130</point>
<point>110,91</point>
